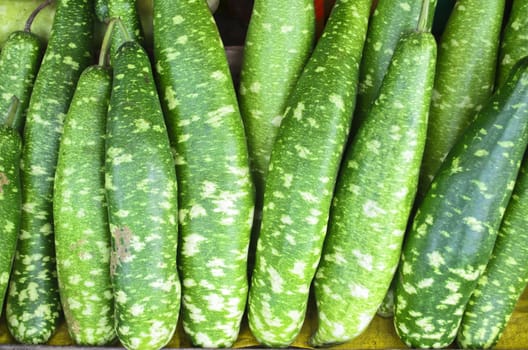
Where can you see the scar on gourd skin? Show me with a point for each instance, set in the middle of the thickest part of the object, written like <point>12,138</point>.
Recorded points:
<point>3,181</point>
<point>78,245</point>
<point>74,324</point>
<point>122,239</point>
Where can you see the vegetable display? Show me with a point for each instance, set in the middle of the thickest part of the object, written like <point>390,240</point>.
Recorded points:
<point>344,160</point>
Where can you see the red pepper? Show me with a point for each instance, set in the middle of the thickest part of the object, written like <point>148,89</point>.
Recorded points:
<point>320,16</point>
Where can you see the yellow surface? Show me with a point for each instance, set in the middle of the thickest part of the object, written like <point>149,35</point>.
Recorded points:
<point>379,335</point>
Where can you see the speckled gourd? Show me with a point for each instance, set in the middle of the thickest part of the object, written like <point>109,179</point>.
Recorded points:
<point>10,194</point>
<point>141,192</point>
<point>126,11</point>
<point>278,43</point>
<point>302,174</point>
<point>389,21</point>
<point>374,196</point>
<point>465,76</point>
<point>514,41</point>
<point>80,214</point>
<point>19,64</point>
<point>215,188</point>
<point>33,306</point>
<point>456,225</point>
<point>505,278</point>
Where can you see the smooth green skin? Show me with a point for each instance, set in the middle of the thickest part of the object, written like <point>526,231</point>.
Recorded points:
<point>302,174</point>
<point>465,75</point>
<point>141,193</point>
<point>19,64</point>
<point>374,195</point>
<point>10,202</point>
<point>15,13</point>
<point>505,278</point>
<point>126,11</point>
<point>82,236</point>
<point>216,195</point>
<point>278,43</point>
<point>389,21</point>
<point>456,225</point>
<point>514,43</point>
<point>33,306</point>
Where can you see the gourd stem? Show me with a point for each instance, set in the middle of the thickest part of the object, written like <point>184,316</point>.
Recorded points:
<point>424,15</point>
<point>107,40</point>
<point>31,18</point>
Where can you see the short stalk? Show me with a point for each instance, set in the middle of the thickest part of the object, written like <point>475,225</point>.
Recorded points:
<point>424,15</point>
<point>33,15</point>
<point>107,41</point>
